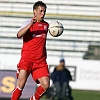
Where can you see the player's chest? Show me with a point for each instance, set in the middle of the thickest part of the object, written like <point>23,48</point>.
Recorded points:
<point>39,27</point>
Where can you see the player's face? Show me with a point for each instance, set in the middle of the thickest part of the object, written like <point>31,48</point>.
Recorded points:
<point>39,13</point>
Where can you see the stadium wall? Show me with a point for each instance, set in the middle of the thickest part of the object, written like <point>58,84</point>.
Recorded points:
<point>87,72</point>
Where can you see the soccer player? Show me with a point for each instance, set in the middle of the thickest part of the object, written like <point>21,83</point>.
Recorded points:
<point>33,54</point>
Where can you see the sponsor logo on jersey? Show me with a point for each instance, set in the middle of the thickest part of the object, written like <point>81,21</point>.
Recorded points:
<point>42,35</point>
<point>39,24</point>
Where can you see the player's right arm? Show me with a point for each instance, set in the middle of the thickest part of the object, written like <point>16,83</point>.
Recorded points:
<point>25,26</point>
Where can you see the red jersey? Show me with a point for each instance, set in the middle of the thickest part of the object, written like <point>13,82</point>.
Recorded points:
<point>34,43</point>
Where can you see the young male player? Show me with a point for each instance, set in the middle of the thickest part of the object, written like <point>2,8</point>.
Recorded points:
<point>33,54</point>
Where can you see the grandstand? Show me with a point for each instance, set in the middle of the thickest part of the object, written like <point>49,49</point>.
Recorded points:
<point>81,20</point>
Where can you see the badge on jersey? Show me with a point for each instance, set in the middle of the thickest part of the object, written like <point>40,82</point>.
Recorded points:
<point>45,27</point>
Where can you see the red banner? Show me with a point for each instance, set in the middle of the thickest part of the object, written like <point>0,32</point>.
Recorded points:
<point>8,83</point>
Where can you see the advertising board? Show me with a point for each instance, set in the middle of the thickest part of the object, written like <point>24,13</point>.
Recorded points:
<point>8,83</point>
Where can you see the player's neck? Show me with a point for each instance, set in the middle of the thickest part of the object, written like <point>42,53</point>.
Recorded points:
<point>40,21</point>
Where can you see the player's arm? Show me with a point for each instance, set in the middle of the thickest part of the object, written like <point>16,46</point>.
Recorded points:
<point>25,28</point>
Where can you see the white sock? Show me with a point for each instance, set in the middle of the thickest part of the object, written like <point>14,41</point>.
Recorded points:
<point>34,98</point>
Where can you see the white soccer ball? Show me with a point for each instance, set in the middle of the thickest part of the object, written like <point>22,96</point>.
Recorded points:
<point>56,28</point>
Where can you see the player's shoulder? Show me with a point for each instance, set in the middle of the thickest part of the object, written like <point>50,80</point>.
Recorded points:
<point>45,22</point>
<point>27,21</point>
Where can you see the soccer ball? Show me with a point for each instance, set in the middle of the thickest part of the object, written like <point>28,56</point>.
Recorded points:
<point>56,28</point>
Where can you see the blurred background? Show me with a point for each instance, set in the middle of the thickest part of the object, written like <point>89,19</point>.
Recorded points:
<point>79,44</point>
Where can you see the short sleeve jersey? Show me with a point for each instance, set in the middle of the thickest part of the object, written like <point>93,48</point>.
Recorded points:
<point>34,42</point>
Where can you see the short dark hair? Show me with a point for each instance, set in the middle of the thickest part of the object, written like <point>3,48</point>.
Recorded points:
<point>39,3</point>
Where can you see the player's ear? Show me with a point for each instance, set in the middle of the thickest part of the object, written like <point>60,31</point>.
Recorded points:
<point>34,12</point>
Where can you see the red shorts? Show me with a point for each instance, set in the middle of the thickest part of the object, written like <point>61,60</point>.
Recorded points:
<point>36,70</point>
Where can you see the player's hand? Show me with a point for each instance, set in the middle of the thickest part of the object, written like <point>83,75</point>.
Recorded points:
<point>33,20</point>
